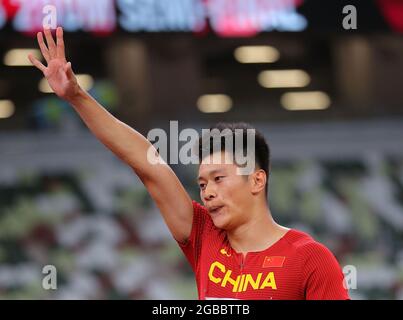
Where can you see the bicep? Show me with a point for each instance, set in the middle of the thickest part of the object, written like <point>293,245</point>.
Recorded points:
<point>172,200</point>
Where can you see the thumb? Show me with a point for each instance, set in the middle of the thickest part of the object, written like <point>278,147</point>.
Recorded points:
<point>69,71</point>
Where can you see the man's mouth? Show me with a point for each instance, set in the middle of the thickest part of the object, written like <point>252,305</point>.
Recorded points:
<point>215,209</point>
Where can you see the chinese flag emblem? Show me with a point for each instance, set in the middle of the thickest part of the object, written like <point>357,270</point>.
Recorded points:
<point>273,261</point>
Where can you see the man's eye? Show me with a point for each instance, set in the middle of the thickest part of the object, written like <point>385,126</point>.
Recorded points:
<point>202,185</point>
<point>219,178</point>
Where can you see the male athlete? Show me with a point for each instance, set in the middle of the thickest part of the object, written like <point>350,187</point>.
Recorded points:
<point>236,249</point>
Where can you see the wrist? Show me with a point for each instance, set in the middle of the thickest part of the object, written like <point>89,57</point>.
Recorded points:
<point>78,96</point>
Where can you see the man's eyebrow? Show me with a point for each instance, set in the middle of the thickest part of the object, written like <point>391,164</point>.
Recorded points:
<point>210,174</point>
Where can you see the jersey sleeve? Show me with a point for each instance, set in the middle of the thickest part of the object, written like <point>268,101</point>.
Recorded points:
<point>323,278</point>
<point>201,225</point>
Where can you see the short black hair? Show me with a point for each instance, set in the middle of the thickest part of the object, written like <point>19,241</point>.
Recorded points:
<point>262,149</point>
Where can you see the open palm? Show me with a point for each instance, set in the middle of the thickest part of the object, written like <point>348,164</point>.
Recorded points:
<point>58,72</point>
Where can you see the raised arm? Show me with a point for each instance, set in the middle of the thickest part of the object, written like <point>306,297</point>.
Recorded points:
<point>125,142</point>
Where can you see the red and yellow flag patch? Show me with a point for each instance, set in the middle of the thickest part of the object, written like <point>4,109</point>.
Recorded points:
<point>273,261</point>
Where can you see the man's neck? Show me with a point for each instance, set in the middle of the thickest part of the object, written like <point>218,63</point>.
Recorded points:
<point>257,234</point>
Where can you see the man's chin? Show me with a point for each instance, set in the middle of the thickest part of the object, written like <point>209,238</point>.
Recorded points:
<point>220,221</point>
<point>221,226</point>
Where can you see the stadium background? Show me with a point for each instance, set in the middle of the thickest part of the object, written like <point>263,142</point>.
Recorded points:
<point>337,171</point>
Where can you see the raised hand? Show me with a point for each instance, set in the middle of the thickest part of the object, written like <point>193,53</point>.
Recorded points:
<point>58,72</point>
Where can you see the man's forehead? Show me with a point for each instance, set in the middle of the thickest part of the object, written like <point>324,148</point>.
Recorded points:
<point>220,157</point>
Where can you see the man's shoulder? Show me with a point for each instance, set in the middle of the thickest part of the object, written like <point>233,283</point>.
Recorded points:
<point>305,244</point>
<point>198,206</point>
<point>201,215</point>
<point>200,210</point>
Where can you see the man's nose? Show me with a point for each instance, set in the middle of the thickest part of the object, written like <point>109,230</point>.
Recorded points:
<point>209,193</point>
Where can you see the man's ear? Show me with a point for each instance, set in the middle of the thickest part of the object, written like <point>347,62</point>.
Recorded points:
<point>258,181</point>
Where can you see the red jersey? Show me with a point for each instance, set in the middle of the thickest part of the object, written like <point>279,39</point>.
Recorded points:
<point>295,267</point>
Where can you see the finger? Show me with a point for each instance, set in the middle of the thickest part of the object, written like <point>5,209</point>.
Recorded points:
<point>69,71</point>
<point>51,43</point>
<point>36,62</point>
<point>42,46</point>
<point>60,43</point>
